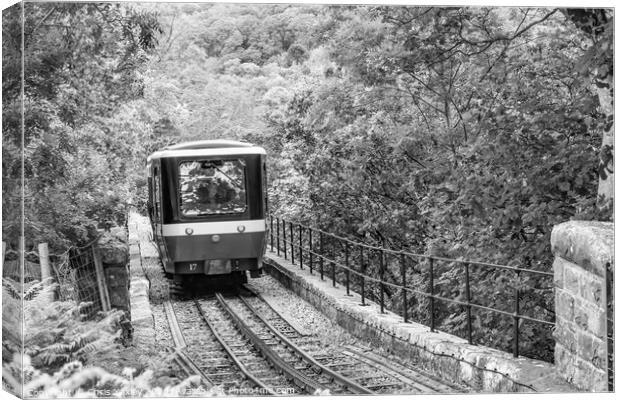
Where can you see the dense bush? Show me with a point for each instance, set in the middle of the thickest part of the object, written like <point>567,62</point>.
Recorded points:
<point>60,350</point>
<point>452,132</point>
<point>82,63</point>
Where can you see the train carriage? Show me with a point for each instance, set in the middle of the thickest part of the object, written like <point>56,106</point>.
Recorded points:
<point>207,205</point>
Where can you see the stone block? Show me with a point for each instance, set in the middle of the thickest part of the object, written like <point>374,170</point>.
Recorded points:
<point>564,305</point>
<point>598,356</point>
<point>565,334</point>
<point>558,272</point>
<point>590,319</point>
<point>565,361</point>
<point>117,279</point>
<point>591,289</point>
<point>572,274</point>
<point>587,377</point>
<point>584,345</point>
<point>113,251</point>
<point>597,321</point>
<point>581,317</point>
<point>585,243</point>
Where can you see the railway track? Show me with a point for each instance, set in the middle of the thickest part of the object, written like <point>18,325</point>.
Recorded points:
<point>369,370</point>
<point>290,358</point>
<point>221,356</point>
<point>242,345</point>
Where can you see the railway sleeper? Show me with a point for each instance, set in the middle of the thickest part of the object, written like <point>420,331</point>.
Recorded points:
<point>218,367</point>
<point>340,366</point>
<point>373,380</point>
<point>379,386</point>
<point>222,374</point>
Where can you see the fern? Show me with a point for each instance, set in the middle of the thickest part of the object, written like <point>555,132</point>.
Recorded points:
<point>10,289</point>
<point>46,286</point>
<point>56,343</point>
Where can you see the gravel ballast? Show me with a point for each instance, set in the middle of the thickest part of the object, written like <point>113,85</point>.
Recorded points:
<point>301,314</point>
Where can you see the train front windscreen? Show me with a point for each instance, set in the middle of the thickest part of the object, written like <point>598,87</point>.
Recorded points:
<point>212,187</point>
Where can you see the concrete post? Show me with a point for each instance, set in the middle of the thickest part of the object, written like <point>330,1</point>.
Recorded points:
<point>46,270</point>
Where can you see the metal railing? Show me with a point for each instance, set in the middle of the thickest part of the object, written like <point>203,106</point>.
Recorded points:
<point>609,277</point>
<point>402,281</point>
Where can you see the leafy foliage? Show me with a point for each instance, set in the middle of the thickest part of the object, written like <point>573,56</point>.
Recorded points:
<point>59,348</point>
<point>81,62</point>
<point>459,132</point>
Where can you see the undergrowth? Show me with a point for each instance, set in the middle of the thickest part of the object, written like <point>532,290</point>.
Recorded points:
<point>61,350</point>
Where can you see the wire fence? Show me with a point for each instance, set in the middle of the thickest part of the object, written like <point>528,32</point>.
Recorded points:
<point>78,273</point>
<point>501,306</point>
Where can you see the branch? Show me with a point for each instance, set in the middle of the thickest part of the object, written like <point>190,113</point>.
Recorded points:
<point>50,12</point>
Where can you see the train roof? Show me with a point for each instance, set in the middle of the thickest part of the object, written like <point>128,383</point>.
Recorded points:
<point>207,148</point>
<point>208,144</point>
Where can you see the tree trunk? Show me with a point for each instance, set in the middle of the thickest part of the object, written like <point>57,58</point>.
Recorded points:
<point>605,193</point>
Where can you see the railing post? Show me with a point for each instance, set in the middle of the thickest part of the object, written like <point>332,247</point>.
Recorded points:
<point>311,250</point>
<point>321,253</point>
<point>290,225</point>
<point>271,230</point>
<point>333,273</point>
<point>432,294</point>
<point>515,349</point>
<point>278,236</point>
<point>381,276</point>
<point>284,236</point>
<point>363,272</point>
<point>403,274</point>
<point>346,263</point>
<point>301,248</point>
<point>468,298</point>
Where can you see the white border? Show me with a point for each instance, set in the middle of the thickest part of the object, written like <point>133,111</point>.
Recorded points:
<point>212,228</point>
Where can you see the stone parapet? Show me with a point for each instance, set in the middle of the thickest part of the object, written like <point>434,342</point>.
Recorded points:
<point>583,252</point>
<point>141,313</point>
<point>114,251</point>
<point>450,357</point>
<point>588,244</point>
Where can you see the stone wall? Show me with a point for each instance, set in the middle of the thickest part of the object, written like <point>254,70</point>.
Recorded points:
<point>582,250</point>
<point>114,252</point>
<point>142,320</point>
<point>446,356</point>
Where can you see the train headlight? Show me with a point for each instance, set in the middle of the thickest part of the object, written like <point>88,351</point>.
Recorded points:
<point>241,228</point>
<point>215,238</point>
<point>189,231</point>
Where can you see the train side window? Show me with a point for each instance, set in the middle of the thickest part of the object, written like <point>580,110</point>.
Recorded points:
<point>156,194</point>
<point>266,205</point>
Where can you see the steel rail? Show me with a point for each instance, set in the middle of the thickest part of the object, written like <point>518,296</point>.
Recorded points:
<point>175,331</point>
<point>232,355</point>
<point>420,381</point>
<point>262,298</point>
<point>342,380</point>
<point>297,377</point>
<point>182,359</point>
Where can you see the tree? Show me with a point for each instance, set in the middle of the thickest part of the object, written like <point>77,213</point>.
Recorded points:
<point>81,61</point>
<point>459,132</point>
<point>597,63</point>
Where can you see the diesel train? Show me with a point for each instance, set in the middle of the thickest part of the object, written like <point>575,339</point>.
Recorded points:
<point>207,205</point>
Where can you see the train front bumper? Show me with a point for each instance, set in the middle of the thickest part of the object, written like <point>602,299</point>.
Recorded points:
<point>215,267</point>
